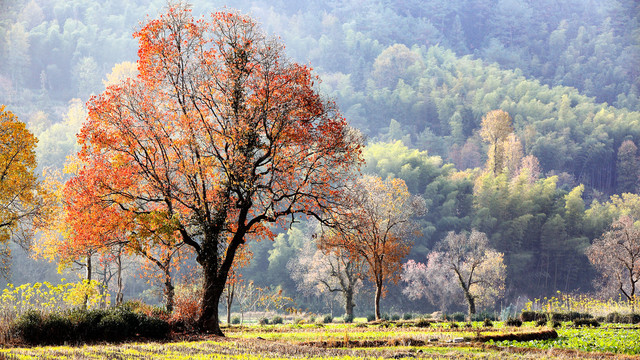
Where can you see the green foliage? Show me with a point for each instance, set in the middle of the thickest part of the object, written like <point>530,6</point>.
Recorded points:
<point>79,325</point>
<point>277,320</point>
<point>513,322</point>
<point>327,319</point>
<point>235,320</point>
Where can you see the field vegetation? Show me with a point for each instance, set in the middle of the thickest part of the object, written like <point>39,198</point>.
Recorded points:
<point>369,340</point>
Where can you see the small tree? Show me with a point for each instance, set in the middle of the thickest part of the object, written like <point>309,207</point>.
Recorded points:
<point>617,256</point>
<point>431,281</point>
<point>478,269</point>
<point>376,228</point>
<point>334,270</point>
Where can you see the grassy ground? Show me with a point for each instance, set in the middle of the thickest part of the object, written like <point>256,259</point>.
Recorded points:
<point>382,341</point>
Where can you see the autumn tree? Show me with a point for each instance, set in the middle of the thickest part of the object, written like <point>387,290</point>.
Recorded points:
<point>220,134</point>
<point>616,254</point>
<point>332,270</point>
<point>478,269</point>
<point>495,128</point>
<point>23,199</point>
<point>376,227</point>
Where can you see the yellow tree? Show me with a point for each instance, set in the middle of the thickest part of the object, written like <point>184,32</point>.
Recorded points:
<point>376,227</point>
<point>22,198</point>
<point>496,127</point>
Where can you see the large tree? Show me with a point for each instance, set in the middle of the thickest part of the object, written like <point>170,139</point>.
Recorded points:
<point>376,227</point>
<point>219,133</point>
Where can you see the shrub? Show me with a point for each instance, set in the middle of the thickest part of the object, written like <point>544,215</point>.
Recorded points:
<point>623,319</point>
<point>371,317</point>
<point>541,322</point>
<point>533,316</point>
<point>277,320</point>
<point>56,329</point>
<point>235,320</point>
<point>327,319</point>
<point>186,306</point>
<point>384,317</point>
<point>263,321</point>
<point>555,324</point>
<point>423,323</point>
<point>28,326</point>
<point>153,327</point>
<point>395,317</point>
<point>457,316</point>
<point>114,327</point>
<point>468,325</point>
<point>513,322</point>
<point>487,323</point>
<point>586,322</point>
<point>312,319</point>
<point>82,325</point>
<point>453,325</point>
<point>348,318</point>
<point>481,316</point>
<point>407,316</point>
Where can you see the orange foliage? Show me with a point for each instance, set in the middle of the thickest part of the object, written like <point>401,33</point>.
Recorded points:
<point>218,137</point>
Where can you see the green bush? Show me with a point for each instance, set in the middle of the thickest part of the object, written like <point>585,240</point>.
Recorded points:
<point>277,320</point>
<point>348,319</point>
<point>263,321</point>
<point>235,320</point>
<point>371,317</point>
<point>28,327</point>
<point>513,322</point>
<point>487,323</point>
<point>327,319</point>
<point>615,317</point>
<point>81,326</point>
<point>113,327</point>
<point>423,323</point>
<point>395,317</point>
<point>533,316</point>
<point>407,316</point>
<point>153,328</point>
<point>586,322</point>
<point>457,316</point>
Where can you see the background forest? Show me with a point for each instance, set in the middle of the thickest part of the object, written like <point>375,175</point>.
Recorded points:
<point>416,78</point>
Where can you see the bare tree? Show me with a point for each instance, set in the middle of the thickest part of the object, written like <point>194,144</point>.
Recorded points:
<point>478,269</point>
<point>616,254</point>
<point>317,271</point>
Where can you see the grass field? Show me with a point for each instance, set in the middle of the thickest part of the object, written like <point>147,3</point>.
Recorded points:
<point>363,341</point>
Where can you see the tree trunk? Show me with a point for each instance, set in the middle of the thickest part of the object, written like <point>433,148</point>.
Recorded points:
<point>119,295</point>
<point>348,304</point>
<point>471,301</point>
<point>169,291</point>
<point>377,304</point>
<point>212,291</point>
<point>230,292</point>
<point>86,296</point>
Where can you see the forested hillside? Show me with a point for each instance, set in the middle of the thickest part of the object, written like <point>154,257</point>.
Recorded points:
<point>416,78</point>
